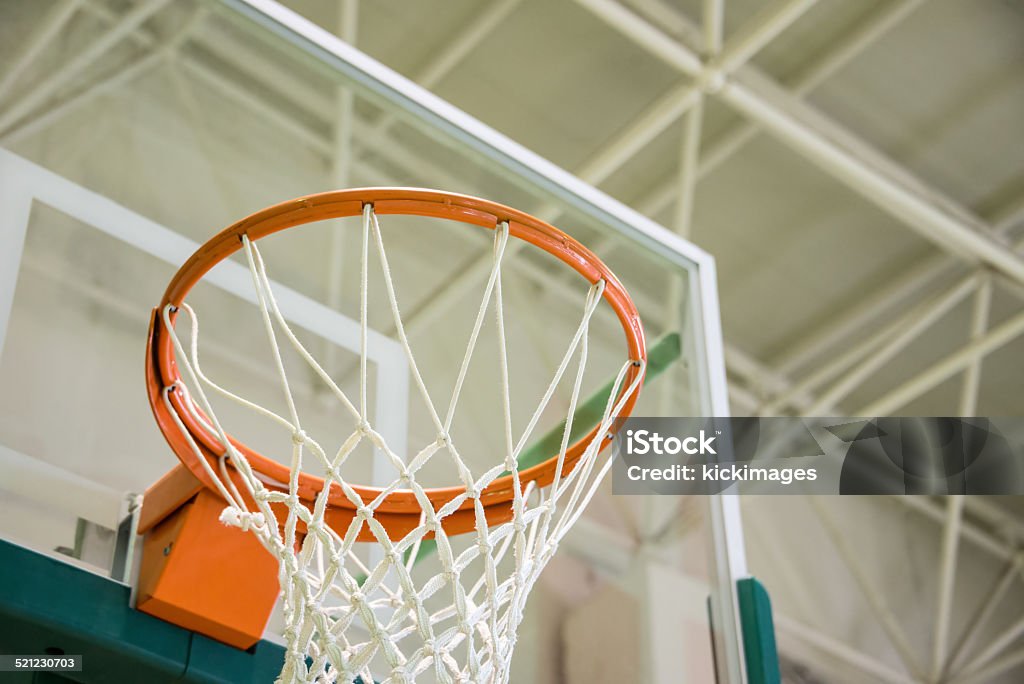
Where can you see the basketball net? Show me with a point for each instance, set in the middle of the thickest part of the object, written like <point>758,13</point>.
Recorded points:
<point>347,619</point>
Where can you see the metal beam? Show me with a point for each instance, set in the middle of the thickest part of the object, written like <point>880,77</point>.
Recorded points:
<point>944,369</point>
<point>996,517</point>
<point>80,99</point>
<point>875,599</point>
<point>43,34</point>
<point>713,19</point>
<point>980,537</point>
<point>936,309</point>
<point>665,111</point>
<point>472,135</point>
<point>996,646</point>
<point>862,662</point>
<point>676,102</point>
<point>751,38</point>
<point>830,146</point>
<point>911,281</point>
<point>818,71</point>
<point>979,323</point>
<point>341,173</point>
<point>819,342</point>
<point>762,378</point>
<point>947,579</point>
<point>984,612</point>
<point>79,63</point>
<point>690,157</point>
<point>455,49</point>
<point>837,365</point>
<point>988,674</point>
<point>682,225</point>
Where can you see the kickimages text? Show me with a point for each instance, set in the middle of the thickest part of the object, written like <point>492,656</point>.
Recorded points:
<point>646,442</point>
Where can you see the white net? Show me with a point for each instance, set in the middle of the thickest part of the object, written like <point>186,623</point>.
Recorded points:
<point>348,619</point>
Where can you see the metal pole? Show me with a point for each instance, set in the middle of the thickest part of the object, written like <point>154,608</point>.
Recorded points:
<point>645,128</point>
<point>455,50</point>
<point>750,39</point>
<point>984,612</point>
<point>874,597</point>
<point>838,364</point>
<point>756,34</point>
<point>979,323</point>
<point>67,74</point>
<point>980,537</point>
<point>832,147</point>
<point>998,645</point>
<point>942,370</point>
<point>840,651</point>
<point>341,171</point>
<point>838,56</point>
<point>947,579</point>
<point>713,17</point>
<point>44,33</point>
<point>939,308</point>
<point>994,670</point>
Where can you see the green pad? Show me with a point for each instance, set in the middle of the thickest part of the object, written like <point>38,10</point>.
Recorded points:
<point>759,648</point>
<point>48,604</point>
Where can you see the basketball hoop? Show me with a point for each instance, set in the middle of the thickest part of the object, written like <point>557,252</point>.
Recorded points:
<point>310,523</point>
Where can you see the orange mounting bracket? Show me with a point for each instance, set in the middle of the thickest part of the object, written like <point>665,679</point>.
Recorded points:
<point>199,573</point>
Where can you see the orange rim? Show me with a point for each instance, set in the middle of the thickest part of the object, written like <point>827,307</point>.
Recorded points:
<point>400,510</point>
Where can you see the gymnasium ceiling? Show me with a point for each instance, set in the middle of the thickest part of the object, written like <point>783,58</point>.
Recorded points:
<point>937,91</point>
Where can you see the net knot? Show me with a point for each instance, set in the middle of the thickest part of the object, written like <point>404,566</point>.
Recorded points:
<point>394,557</point>
<point>364,426</point>
<point>335,653</point>
<point>299,437</point>
<point>243,520</point>
<point>443,439</point>
<point>357,597</point>
<point>485,547</point>
<point>364,513</point>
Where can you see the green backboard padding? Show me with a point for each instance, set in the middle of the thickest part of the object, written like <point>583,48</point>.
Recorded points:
<point>759,648</point>
<point>46,603</point>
